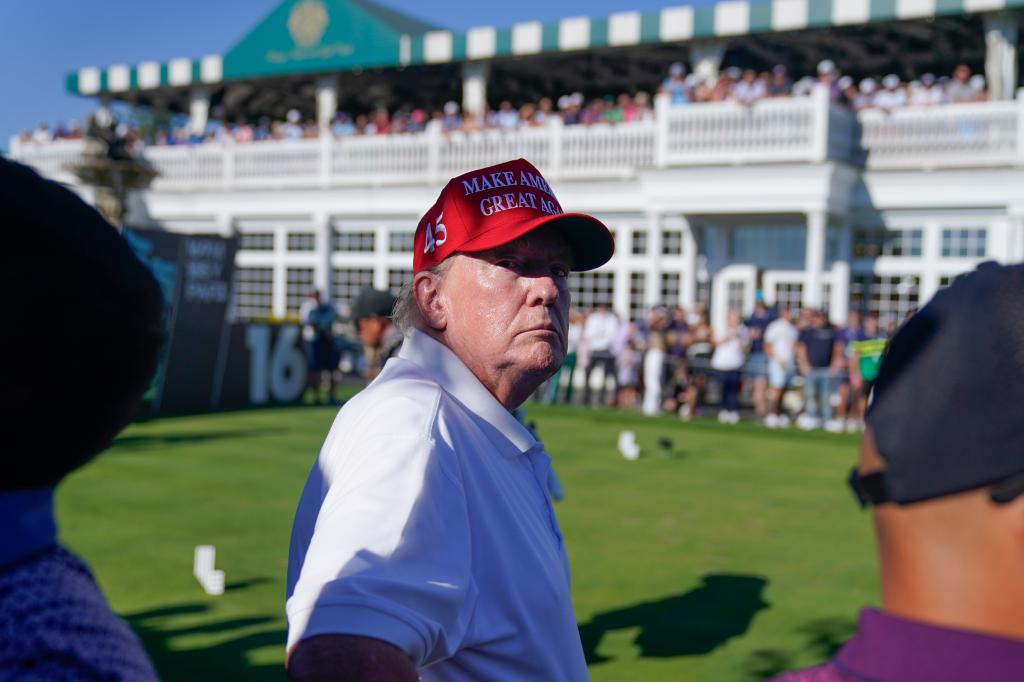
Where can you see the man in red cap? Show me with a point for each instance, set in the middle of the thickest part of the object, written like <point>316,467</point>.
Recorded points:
<point>425,545</point>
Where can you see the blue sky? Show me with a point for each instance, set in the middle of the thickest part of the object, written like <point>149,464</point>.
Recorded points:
<point>41,40</point>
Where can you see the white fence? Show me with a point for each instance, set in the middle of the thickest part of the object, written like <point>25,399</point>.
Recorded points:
<point>957,135</point>
<point>799,130</point>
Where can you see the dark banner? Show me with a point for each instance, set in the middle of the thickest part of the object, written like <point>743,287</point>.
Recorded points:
<point>208,362</point>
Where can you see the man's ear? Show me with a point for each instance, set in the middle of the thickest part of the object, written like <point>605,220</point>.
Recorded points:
<point>427,292</point>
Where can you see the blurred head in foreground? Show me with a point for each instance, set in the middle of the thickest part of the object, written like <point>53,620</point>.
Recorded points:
<point>78,348</point>
<point>82,335</point>
<point>943,459</point>
<point>942,466</point>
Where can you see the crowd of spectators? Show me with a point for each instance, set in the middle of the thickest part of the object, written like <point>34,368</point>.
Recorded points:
<point>673,361</point>
<point>732,84</point>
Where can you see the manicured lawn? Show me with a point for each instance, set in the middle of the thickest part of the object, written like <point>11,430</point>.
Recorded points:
<point>733,553</point>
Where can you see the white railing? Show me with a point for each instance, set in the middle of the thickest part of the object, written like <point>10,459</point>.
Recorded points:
<point>799,130</point>
<point>958,135</point>
<point>771,130</point>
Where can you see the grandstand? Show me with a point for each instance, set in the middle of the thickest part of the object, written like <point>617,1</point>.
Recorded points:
<point>800,197</point>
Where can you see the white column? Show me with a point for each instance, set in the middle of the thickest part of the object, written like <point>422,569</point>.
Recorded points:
<point>324,245</point>
<point>381,257</point>
<point>821,98</point>
<point>620,294</point>
<point>688,283</point>
<point>279,290</point>
<point>662,106</point>
<point>656,223</point>
<point>1001,36</point>
<point>839,305</point>
<point>198,110</point>
<point>474,87</point>
<point>814,261</point>
<point>1015,228</point>
<point>326,101</point>
<point>706,59</point>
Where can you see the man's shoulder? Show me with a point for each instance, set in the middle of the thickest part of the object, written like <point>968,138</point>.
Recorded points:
<point>56,624</point>
<point>401,400</point>
<point>825,672</point>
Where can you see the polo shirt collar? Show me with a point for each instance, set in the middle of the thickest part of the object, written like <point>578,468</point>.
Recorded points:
<point>27,525</point>
<point>506,432</point>
<point>887,647</point>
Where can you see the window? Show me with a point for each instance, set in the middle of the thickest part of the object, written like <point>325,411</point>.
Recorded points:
<point>870,243</point>
<point>704,293</point>
<point>639,242</point>
<point>256,241</point>
<point>254,293</point>
<point>671,242</point>
<point>669,291</point>
<point>589,289</point>
<point>354,242</point>
<point>761,243</point>
<point>789,295</point>
<point>298,285</point>
<point>735,295</point>
<point>963,243</point>
<point>397,278</point>
<point>889,296</point>
<point>346,283</point>
<point>400,241</point>
<point>301,241</point>
<point>637,291</point>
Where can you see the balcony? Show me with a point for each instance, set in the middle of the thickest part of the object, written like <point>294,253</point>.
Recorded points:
<point>797,131</point>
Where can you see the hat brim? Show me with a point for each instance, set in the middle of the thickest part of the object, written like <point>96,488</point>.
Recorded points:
<point>589,239</point>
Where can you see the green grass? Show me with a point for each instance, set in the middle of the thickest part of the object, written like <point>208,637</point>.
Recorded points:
<point>739,554</point>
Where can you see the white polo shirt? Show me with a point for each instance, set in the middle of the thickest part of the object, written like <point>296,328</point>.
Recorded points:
<point>426,523</point>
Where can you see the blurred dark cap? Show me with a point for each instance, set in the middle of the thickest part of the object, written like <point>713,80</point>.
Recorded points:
<point>371,302</point>
<point>82,335</point>
<point>947,409</point>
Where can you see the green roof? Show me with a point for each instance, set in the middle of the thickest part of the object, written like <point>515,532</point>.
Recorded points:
<point>307,36</point>
<point>312,36</point>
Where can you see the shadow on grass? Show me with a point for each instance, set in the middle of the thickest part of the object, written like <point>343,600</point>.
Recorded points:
<point>134,442</point>
<point>227,659</point>
<point>245,584</point>
<point>691,624</point>
<point>822,638</point>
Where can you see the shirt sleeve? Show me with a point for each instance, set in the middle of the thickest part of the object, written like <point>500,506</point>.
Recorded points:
<point>389,553</point>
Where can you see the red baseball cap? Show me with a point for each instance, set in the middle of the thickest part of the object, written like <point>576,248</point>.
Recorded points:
<point>488,207</point>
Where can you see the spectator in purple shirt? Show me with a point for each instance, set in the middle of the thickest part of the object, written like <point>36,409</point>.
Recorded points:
<point>942,465</point>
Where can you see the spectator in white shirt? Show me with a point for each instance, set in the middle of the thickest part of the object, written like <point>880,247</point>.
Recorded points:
<point>599,333</point>
<point>727,361</point>
<point>779,346</point>
<point>891,96</point>
<point>750,88</point>
<point>959,90</point>
<point>865,98</point>
<point>42,134</point>
<point>927,94</point>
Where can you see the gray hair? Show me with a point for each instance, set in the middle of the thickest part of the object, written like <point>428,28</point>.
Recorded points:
<point>406,314</point>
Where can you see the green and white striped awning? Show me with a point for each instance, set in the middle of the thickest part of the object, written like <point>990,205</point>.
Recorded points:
<point>313,36</point>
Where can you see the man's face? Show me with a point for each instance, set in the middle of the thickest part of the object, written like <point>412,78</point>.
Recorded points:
<point>371,330</point>
<point>508,309</point>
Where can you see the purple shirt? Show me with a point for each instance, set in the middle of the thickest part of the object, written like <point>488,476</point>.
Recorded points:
<point>890,649</point>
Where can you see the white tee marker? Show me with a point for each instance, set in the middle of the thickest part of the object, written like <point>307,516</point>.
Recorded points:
<point>211,579</point>
<point>628,445</point>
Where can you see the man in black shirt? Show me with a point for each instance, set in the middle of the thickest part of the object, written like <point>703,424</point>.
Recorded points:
<point>819,353</point>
